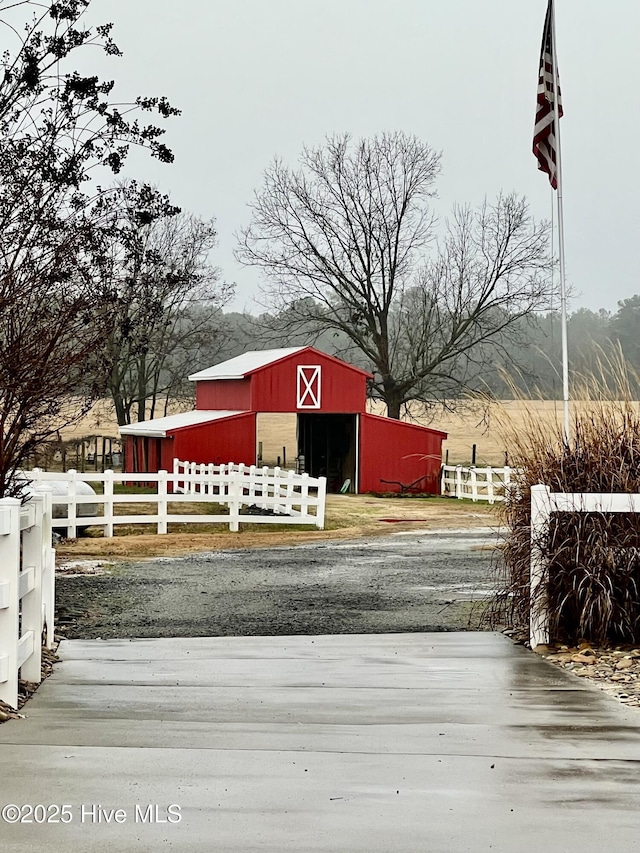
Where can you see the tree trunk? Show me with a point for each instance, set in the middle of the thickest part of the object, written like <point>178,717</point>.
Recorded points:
<point>142,388</point>
<point>393,407</point>
<point>122,413</point>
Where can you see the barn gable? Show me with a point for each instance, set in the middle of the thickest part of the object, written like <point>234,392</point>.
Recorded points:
<point>283,380</point>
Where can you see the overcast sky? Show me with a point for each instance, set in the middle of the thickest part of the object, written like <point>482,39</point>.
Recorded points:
<point>256,78</point>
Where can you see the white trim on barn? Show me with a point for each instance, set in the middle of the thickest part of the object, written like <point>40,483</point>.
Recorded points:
<point>309,386</point>
<point>160,427</point>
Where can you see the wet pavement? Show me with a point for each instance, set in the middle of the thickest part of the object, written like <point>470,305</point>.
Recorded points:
<point>402,743</point>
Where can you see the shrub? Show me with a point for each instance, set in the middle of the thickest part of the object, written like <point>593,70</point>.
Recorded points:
<point>593,559</point>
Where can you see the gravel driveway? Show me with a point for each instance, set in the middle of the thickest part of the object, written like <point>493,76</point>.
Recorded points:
<point>415,581</point>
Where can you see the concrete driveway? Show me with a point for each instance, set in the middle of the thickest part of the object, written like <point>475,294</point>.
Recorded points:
<point>403,743</point>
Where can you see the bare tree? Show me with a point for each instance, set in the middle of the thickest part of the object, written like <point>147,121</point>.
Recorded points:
<point>347,243</point>
<point>54,315</point>
<point>56,128</point>
<point>168,297</point>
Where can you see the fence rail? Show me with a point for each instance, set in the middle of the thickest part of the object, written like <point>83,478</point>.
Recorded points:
<point>27,590</point>
<point>278,497</point>
<point>478,484</point>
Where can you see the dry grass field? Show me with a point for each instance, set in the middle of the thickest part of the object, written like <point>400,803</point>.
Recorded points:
<point>277,432</point>
<point>485,429</point>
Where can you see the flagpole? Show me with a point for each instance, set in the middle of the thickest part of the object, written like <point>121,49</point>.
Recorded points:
<point>563,289</point>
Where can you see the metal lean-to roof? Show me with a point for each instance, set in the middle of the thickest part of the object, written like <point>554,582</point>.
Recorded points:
<point>242,365</point>
<point>159,427</point>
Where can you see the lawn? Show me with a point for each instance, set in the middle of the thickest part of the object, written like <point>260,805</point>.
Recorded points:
<point>347,517</point>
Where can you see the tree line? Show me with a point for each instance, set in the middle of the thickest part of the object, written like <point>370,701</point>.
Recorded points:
<point>527,364</point>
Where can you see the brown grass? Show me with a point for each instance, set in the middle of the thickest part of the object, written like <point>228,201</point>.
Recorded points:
<point>593,559</point>
<point>347,517</point>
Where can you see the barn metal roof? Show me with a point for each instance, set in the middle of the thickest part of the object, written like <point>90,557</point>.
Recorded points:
<point>159,427</point>
<point>242,365</point>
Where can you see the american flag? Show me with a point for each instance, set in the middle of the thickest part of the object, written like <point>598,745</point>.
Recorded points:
<point>544,135</point>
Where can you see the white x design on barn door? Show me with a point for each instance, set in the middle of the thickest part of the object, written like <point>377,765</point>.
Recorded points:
<point>309,376</point>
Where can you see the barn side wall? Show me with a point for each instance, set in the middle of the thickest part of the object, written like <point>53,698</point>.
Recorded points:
<point>220,394</point>
<point>167,454</point>
<point>128,452</point>
<point>145,454</point>
<point>400,452</point>
<point>228,440</point>
<point>274,388</point>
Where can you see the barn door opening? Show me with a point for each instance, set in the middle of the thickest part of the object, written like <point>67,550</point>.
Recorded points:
<point>328,445</point>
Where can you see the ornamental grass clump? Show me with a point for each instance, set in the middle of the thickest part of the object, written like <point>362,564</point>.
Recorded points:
<point>592,559</point>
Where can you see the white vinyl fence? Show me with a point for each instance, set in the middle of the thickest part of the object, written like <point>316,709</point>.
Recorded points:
<point>249,495</point>
<point>478,484</point>
<point>543,503</point>
<point>27,590</point>
<point>271,489</point>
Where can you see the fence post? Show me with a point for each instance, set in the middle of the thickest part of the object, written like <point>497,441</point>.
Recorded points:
<point>490,491</point>
<point>290,491</point>
<point>252,485</point>
<point>162,501</point>
<point>9,603</point>
<point>304,494</point>
<point>31,577</point>
<point>458,481</point>
<point>48,566</point>
<point>506,481</point>
<point>538,599</point>
<point>473,479</point>
<point>322,497</point>
<point>107,509</point>
<point>276,490</point>
<point>72,511</point>
<point>233,491</point>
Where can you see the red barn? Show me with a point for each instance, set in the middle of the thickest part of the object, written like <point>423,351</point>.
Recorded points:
<point>336,438</point>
